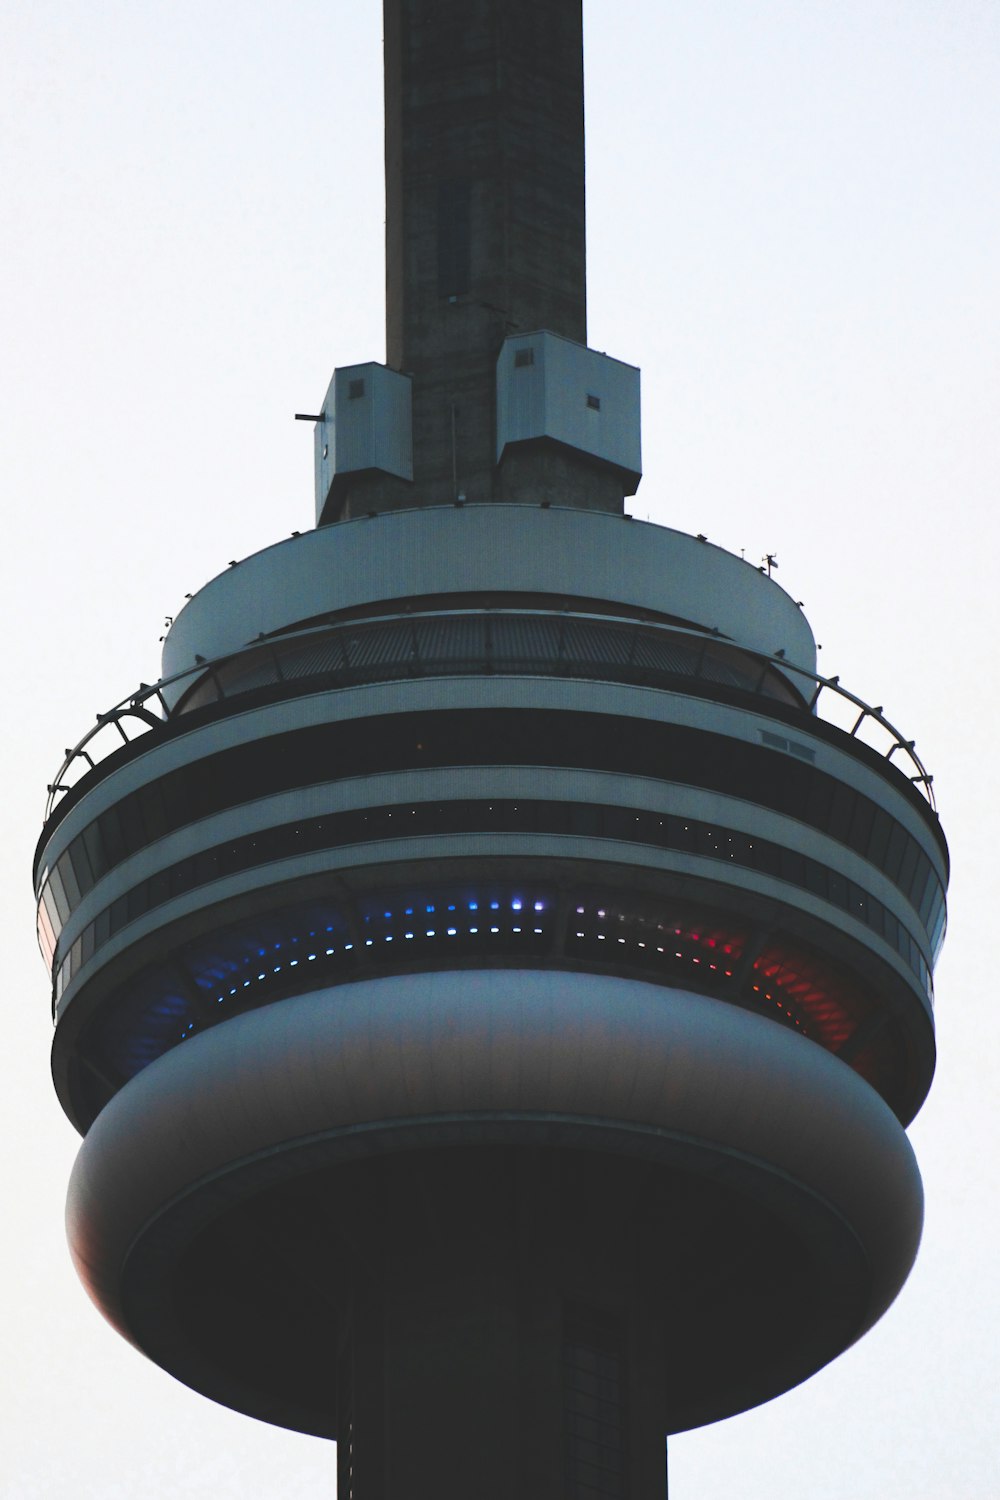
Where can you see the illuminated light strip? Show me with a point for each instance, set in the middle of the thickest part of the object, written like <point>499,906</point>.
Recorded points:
<point>517,904</point>
<point>802,1001</point>
<point>796,995</point>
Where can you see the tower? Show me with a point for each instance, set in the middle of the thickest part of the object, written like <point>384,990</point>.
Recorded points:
<point>481,860</point>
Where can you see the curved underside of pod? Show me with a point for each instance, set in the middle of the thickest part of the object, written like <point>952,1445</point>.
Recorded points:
<point>731,1187</point>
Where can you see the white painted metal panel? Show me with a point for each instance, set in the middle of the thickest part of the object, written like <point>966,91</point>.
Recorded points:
<point>549,387</point>
<point>366,423</point>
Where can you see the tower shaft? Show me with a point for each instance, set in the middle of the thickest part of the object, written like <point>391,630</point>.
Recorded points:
<point>485,207</point>
<point>485,240</point>
<point>485,212</point>
<point>499,1342</point>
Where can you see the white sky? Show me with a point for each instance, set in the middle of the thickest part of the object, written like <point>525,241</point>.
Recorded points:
<point>795,231</point>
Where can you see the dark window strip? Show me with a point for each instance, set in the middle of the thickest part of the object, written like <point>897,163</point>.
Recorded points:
<point>508,737</point>
<point>500,815</point>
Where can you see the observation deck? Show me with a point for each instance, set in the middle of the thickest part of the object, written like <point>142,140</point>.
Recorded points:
<point>528,746</point>
<point>631,754</point>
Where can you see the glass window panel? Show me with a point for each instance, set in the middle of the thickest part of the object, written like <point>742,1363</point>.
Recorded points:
<point>890,929</point>
<point>765,856</point>
<point>46,935</point>
<point>182,876</point>
<point>858,902</point>
<point>154,812</point>
<point>131,824</point>
<point>159,888</point>
<point>879,838</point>
<point>81,866</point>
<point>138,900</point>
<point>837,890</point>
<point>96,852</point>
<point>936,920</point>
<point>819,807</point>
<point>862,823</point>
<point>68,877</point>
<point>55,885</point>
<point>895,851</point>
<point>48,904</point>
<point>842,807</point>
<point>912,857</point>
<point>586,820</point>
<point>926,900</point>
<point>793,785</point>
<point>111,837</point>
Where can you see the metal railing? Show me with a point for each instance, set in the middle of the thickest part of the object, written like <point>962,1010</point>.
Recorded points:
<point>841,708</point>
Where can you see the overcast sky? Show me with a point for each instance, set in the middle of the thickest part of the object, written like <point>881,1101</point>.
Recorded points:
<point>795,232</point>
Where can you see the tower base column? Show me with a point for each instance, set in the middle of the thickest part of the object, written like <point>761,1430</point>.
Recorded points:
<point>502,1346</point>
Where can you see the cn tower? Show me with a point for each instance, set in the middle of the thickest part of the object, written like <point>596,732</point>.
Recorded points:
<point>492,973</point>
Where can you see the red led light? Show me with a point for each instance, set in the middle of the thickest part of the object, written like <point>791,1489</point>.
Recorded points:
<point>822,1002</point>
<point>790,982</point>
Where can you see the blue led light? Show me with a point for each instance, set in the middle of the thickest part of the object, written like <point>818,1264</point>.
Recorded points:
<point>224,966</point>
